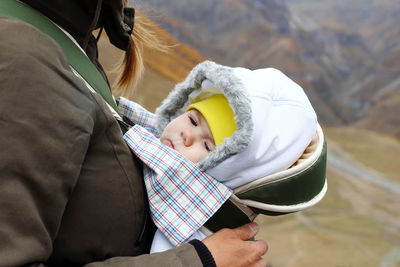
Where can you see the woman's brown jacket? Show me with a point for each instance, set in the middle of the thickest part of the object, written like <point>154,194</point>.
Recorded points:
<point>71,193</point>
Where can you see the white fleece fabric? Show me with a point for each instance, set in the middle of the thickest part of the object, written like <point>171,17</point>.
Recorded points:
<point>275,119</point>
<point>284,124</point>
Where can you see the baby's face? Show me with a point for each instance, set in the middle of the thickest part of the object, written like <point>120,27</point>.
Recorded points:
<point>190,135</point>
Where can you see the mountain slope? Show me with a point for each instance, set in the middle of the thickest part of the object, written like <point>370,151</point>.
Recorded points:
<point>372,90</point>
<point>343,55</point>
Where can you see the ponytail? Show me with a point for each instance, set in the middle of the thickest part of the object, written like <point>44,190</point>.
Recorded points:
<point>132,67</point>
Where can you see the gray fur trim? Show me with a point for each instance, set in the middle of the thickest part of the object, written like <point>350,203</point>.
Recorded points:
<point>236,93</point>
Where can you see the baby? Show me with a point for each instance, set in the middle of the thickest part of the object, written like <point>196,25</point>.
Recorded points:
<point>199,130</point>
<point>234,124</point>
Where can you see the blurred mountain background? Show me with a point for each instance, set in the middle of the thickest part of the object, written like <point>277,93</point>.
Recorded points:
<point>346,56</point>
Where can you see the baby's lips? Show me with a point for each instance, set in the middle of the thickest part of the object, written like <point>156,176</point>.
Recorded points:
<point>169,143</point>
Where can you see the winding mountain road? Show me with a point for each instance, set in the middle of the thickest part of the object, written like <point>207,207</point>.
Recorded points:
<point>362,173</point>
<point>356,170</point>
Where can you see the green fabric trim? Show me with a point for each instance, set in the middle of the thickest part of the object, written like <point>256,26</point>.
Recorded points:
<point>76,58</point>
<point>228,216</point>
<point>293,190</point>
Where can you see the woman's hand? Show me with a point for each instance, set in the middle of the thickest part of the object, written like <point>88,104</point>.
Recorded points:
<point>230,247</point>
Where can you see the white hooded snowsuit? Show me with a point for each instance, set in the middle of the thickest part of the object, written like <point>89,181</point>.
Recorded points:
<point>274,118</point>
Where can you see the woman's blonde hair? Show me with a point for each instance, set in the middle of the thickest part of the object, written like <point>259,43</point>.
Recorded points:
<point>132,67</point>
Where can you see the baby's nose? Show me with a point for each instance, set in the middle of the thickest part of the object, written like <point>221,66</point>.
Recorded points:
<point>188,137</point>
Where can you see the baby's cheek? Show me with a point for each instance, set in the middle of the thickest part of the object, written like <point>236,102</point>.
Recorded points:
<point>201,154</point>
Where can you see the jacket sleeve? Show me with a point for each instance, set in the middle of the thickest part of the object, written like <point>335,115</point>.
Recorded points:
<point>182,256</point>
<point>46,121</point>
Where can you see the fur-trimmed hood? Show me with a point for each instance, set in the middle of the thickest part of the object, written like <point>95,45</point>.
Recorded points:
<point>274,118</point>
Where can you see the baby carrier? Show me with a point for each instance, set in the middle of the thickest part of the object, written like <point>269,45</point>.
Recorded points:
<point>278,193</point>
<point>279,189</point>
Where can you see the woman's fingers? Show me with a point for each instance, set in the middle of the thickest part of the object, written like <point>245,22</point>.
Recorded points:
<point>247,231</point>
<point>230,247</point>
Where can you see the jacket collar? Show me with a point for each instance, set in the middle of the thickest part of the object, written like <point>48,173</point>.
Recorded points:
<point>76,16</point>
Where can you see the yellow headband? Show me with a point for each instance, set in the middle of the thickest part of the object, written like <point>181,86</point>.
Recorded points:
<point>219,116</point>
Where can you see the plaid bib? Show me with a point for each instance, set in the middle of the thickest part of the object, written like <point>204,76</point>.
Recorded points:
<point>182,197</point>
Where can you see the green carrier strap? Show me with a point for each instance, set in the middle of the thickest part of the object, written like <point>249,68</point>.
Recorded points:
<point>75,56</point>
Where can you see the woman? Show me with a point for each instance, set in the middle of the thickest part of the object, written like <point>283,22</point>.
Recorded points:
<point>71,191</point>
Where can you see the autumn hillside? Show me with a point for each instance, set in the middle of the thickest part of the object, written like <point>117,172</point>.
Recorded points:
<point>177,62</point>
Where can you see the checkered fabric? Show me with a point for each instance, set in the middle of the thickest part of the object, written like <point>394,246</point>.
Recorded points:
<point>137,114</point>
<point>182,197</point>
